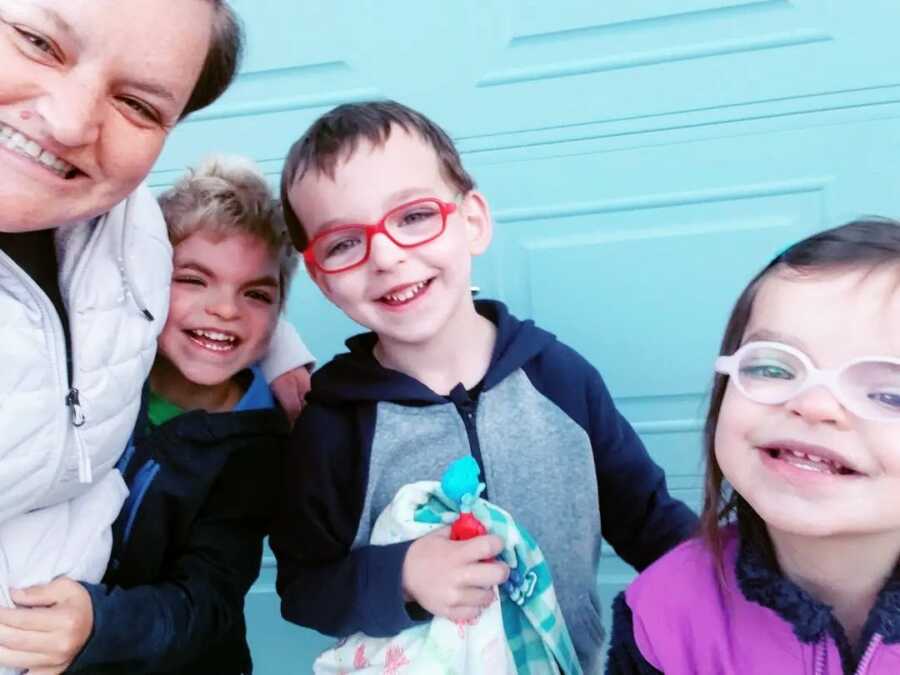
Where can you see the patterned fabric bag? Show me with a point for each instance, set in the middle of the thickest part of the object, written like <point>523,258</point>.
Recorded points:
<point>522,634</point>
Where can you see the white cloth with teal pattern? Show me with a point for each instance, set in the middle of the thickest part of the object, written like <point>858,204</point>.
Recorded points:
<point>523,634</point>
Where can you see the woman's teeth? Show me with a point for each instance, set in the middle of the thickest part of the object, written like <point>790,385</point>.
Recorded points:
<point>17,142</point>
<point>214,340</point>
<point>808,462</point>
<point>406,294</point>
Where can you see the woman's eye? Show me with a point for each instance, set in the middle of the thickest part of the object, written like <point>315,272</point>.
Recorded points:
<point>37,42</point>
<point>141,108</point>
<point>767,372</point>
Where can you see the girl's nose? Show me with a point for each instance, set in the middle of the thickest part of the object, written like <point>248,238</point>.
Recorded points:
<point>819,405</point>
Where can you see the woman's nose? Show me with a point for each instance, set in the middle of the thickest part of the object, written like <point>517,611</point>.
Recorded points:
<point>72,111</point>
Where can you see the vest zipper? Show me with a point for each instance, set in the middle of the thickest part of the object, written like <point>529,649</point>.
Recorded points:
<point>868,655</point>
<point>72,397</point>
<point>820,654</point>
<point>73,400</point>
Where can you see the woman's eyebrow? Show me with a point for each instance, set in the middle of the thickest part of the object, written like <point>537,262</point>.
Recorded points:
<point>59,23</point>
<point>151,88</point>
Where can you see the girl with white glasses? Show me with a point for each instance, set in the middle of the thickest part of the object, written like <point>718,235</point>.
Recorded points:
<point>796,567</point>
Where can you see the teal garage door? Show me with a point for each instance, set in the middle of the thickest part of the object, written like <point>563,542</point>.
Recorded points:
<point>642,158</point>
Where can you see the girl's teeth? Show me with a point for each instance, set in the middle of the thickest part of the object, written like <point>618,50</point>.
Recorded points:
<point>809,462</point>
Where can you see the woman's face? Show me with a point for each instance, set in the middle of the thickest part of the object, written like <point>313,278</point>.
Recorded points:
<point>89,89</point>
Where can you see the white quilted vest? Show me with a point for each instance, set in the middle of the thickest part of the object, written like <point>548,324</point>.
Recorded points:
<point>59,490</point>
<point>114,276</point>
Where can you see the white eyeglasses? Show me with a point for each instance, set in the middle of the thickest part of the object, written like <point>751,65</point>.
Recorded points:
<point>773,373</point>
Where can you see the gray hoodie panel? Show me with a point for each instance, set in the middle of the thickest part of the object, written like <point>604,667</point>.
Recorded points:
<point>538,465</point>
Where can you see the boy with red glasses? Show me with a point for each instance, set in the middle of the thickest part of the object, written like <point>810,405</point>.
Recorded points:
<point>388,221</point>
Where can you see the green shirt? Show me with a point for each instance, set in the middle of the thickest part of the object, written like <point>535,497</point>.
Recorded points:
<point>160,410</point>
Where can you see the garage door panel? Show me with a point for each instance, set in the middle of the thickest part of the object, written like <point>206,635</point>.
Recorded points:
<point>642,159</point>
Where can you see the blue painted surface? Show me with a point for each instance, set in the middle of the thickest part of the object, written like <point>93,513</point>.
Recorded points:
<point>642,159</point>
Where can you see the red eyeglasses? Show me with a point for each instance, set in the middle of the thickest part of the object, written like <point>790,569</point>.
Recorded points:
<point>409,225</point>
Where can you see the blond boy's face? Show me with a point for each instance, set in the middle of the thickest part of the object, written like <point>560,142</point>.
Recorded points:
<point>223,308</point>
<point>406,295</point>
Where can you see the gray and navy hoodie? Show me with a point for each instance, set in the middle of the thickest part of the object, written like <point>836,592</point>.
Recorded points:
<point>553,451</point>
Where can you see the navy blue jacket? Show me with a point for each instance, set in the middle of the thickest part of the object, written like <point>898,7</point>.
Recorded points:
<point>188,543</point>
<point>553,450</point>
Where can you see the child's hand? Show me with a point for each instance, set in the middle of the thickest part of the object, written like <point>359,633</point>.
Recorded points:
<point>290,389</point>
<point>49,627</point>
<point>450,578</point>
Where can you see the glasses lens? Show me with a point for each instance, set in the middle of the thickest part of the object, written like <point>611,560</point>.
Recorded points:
<point>873,387</point>
<point>769,375</point>
<point>415,223</point>
<point>341,248</point>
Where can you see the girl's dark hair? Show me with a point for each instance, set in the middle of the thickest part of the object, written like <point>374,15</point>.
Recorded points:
<point>337,133</point>
<point>865,243</point>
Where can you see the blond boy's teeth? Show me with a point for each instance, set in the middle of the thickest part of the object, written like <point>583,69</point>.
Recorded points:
<point>18,142</point>
<point>407,294</point>
<point>215,335</point>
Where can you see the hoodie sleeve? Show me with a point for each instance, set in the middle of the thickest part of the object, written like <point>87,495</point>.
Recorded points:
<point>324,584</point>
<point>638,516</point>
<point>161,626</point>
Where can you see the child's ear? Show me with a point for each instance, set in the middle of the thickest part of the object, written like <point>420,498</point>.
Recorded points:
<point>479,225</point>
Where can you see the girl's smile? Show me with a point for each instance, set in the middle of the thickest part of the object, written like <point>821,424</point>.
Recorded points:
<point>807,458</point>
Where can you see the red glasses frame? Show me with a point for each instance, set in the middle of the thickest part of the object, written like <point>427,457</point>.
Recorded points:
<point>309,257</point>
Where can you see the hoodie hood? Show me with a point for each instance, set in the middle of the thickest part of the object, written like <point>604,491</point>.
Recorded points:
<point>357,376</point>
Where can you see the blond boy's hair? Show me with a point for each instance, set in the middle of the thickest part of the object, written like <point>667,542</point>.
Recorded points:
<point>229,195</point>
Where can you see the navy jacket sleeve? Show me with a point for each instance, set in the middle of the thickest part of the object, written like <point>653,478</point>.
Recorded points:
<point>324,584</point>
<point>624,657</point>
<point>159,627</point>
<point>639,518</point>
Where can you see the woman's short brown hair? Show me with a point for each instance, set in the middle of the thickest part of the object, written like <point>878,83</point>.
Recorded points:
<point>222,58</point>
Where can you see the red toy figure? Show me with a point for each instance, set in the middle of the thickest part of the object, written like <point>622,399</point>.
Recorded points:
<point>465,527</point>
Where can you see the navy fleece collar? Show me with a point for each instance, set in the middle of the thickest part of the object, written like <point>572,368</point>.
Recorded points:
<point>357,376</point>
<point>809,618</point>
